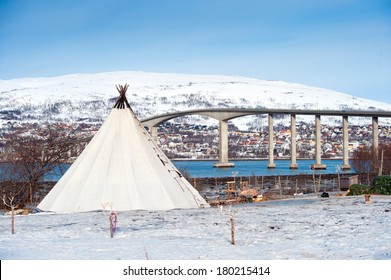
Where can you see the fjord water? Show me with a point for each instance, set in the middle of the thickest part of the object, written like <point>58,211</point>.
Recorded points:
<point>197,168</point>
<point>204,168</point>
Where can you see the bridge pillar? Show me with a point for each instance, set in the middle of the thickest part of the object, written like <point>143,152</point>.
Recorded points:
<point>318,148</point>
<point>223,146</point>
<point>153,133</point>
<point>375,139</point>
<point>293,143</point>
<point>271,164</point>
<point>345,133</point>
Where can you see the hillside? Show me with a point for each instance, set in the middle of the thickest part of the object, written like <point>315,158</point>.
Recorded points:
<point>89,97</point>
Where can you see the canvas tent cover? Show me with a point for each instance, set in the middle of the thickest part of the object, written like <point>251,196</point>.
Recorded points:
<point>124,168</point>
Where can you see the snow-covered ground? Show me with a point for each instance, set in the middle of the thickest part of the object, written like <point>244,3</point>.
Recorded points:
<point>306,228</point>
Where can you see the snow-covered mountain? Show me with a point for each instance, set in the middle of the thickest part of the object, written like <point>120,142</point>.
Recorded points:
<point>90,97</point>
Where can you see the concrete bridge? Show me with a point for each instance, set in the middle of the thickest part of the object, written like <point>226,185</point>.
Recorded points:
<point>223,115</point>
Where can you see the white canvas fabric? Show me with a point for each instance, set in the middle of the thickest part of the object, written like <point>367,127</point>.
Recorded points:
<point>122,167</point>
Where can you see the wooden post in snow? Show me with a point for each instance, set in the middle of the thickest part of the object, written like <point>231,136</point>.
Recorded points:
<point>339,184</point>
<point>320,180</point>
<point>111,227</point>
<point>113,223</point>
<point>381,163</point>
<point>232,219</point>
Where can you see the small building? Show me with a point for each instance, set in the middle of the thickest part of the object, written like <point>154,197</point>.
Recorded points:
<point>347,181</point>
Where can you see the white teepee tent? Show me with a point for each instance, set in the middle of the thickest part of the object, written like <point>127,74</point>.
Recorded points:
<point>121,166</point>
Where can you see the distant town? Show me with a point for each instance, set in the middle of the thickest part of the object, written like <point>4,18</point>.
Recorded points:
<point>199,141</point>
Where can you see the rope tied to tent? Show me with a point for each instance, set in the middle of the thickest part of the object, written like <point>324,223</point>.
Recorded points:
<point>163,162</point>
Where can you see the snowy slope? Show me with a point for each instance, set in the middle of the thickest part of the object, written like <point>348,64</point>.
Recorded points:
<point>89,97</point>
<point>336,228</point>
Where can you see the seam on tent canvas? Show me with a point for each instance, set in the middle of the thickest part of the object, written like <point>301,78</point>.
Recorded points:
<point>180,182</point>
<point>194,197</point>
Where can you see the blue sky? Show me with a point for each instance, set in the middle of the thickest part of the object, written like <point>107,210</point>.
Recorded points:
<point>344,45</point>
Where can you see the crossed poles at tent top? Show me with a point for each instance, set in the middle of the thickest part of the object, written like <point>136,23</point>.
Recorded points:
<point>122,102</point>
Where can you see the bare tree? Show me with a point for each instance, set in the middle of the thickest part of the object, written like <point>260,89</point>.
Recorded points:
<point>9,201</point>
<point>34,154</point>
<point>11,184</point>
<point>112,218</point>
<point>385,149</point>
<point>364,161</point>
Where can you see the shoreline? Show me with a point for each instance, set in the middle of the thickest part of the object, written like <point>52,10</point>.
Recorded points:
<point>249,159</point>
<point>212,180</point>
